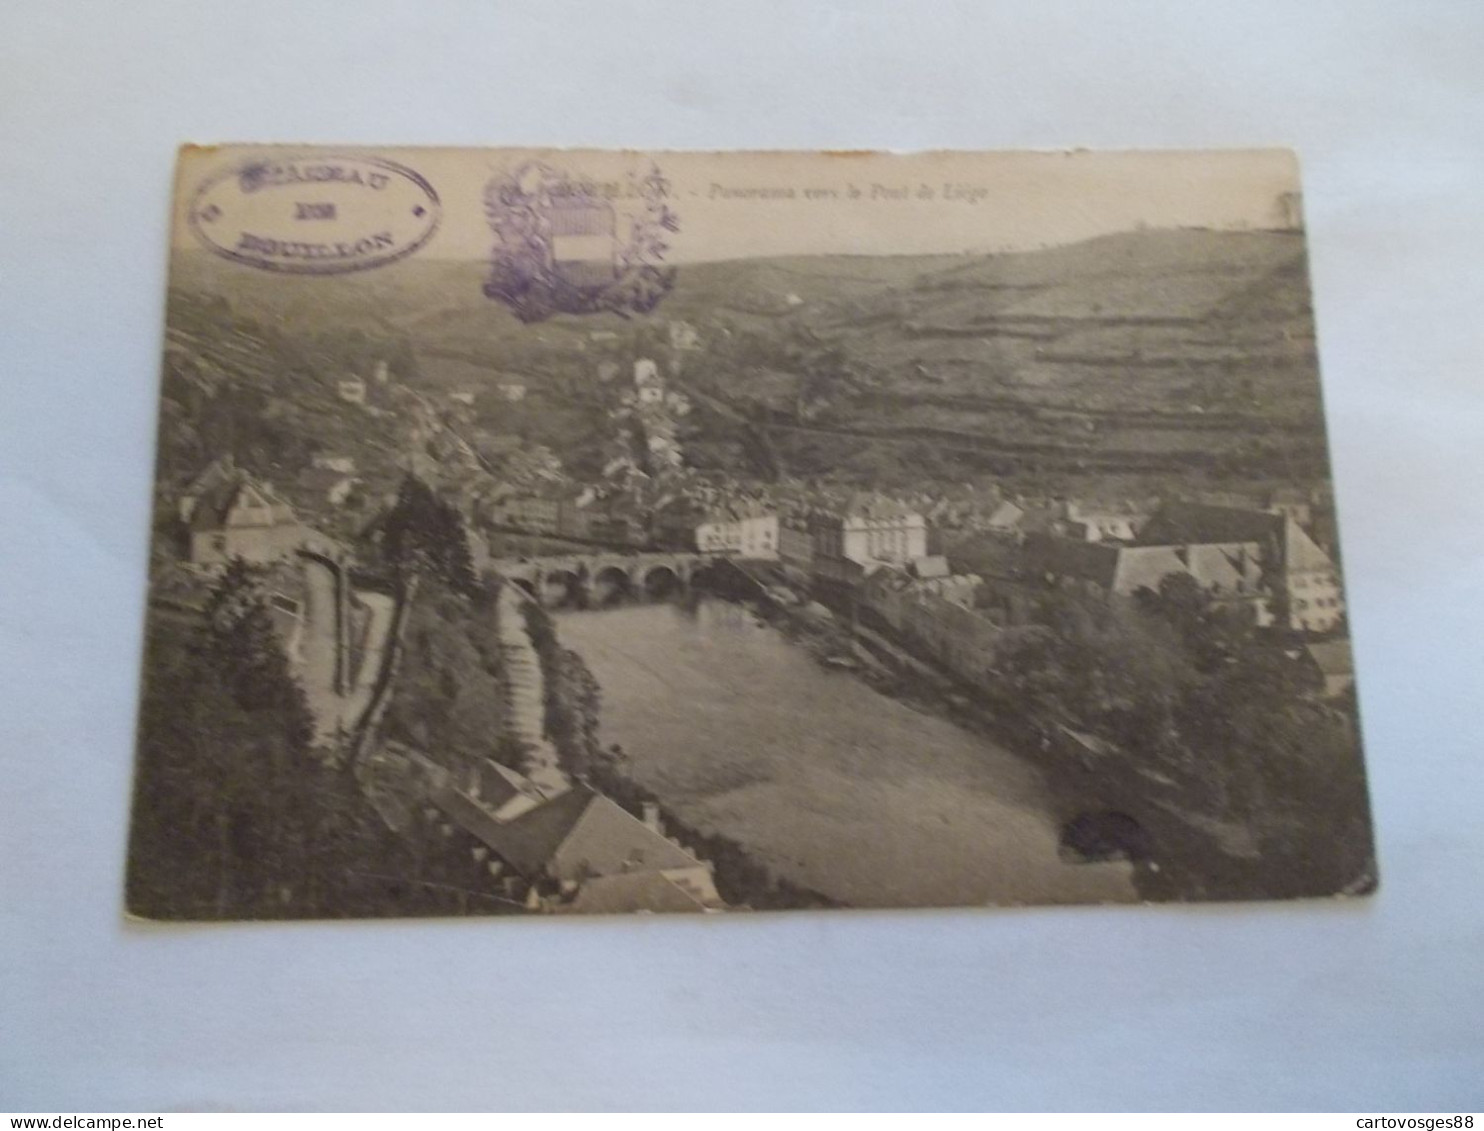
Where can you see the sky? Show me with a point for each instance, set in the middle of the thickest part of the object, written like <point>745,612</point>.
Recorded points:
<point>848,203</point>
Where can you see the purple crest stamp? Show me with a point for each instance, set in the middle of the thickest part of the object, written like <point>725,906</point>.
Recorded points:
<point>573,245</point>
<point>314,214</point>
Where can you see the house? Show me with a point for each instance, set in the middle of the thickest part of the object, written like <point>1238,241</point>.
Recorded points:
<point>620,521</point>
<point>795,544</point>
<point>1334,663</point>
<point>217,474</point>
<point>963,639</point>
<point>649,386</point>
<point>322,484</point>
<point>581,836</point>
<point>506,793</point>
<point>1316,602</point>
<point>351,390</point>
<point>287,614</point>
<point>658,432</point>
<point>535,511</point>
<point>1231,574</point>
<point>1005,519</point>
<point>683,337</point>
<point>1096,525</point>
<point>576,513</point>
<point>241,517</point>
<point>1296,570</point>
<point>867,531</point>
<point>892,591</point>
<point>346,465</point>
<point>933,566</point>
<point>744,529</point>
<point>936,612</point>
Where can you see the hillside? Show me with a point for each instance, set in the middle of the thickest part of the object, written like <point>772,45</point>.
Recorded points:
<point>1149,353</point>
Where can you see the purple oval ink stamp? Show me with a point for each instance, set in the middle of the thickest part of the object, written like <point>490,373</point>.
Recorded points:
<point>567,244</point>
<point>315,214</point>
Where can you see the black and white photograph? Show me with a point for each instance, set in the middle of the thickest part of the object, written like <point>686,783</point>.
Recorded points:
<point>547,532</point>
<point>633,560</point>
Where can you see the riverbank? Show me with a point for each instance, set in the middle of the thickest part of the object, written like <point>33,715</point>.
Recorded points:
<point>1186,836</point>
<point>573,722</point>
<point>821,779</point>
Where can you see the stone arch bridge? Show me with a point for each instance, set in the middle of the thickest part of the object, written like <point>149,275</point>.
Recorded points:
<point>591,579</point>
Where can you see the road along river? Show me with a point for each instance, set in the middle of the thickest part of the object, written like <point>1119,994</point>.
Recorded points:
<point>821,778</point>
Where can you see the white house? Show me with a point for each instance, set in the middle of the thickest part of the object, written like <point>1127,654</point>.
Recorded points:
<point>648,383</point>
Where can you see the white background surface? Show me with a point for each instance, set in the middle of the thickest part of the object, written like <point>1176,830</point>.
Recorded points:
<point>1371,1006</point>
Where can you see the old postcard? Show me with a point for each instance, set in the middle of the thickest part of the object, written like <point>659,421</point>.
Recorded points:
<point>561,532</point>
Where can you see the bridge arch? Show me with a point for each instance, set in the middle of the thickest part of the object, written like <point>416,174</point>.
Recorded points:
<point>661,580</point>
<point>611,583</point>
<point>559,587</point>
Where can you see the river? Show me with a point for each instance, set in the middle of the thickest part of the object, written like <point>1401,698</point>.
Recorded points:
<point>822,779</point>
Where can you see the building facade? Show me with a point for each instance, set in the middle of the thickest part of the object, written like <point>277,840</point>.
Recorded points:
<point>1302,578</point>
<point>242,518</point>
<point>863,534</point>
<point>1316,601</point>
<point>648,384</point>
<point>536,512</point>
<point>742,530</point>
<point>1231,574</point>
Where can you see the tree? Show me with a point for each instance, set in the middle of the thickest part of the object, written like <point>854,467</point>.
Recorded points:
<point>1211,635</point>
<point>240,642</point>
<point>224,734</point>
<point>423,534</point>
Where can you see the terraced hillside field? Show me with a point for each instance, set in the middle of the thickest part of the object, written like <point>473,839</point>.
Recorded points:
<point>1155,351</point>
<point>1159,352</point>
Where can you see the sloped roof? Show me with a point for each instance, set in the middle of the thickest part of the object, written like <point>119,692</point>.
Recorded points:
<point>730,510</point>
<point>1127,569</point>
<point>1300,551</point>
<point>1144,567</point>
<point>527,842</point>
<point>578,834</point>
<point>865,505</point>
<point>1179,523</point>
<point>498,784</point>
<point>1333,657</point>
<point>1006,515</point>
<point>889,577</point>
<point>217,473</point>
<point>215,506</point>
<point>934,565</point>
<point>607,839</point>
<point>632,892</point>
<point>1225,564</point>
